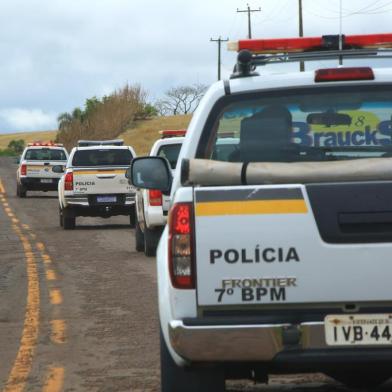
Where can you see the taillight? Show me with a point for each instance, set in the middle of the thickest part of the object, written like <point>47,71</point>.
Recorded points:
<point>23,170</point>
<point>68,182</point>
<point>343,74</point>
<point>155,197</point>
<point>180,246</point>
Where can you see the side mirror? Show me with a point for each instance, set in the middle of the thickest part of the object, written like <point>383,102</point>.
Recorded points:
<point>150,173</point>
<point>58,169</point>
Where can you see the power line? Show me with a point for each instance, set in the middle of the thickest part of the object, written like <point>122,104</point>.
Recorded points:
<point>219,42</point>
<point>249,11</point>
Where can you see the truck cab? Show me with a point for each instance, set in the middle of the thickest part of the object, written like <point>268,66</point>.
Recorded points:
<point>276,256</point>
<point>94,183</point>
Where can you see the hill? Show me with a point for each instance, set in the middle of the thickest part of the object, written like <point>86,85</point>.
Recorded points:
<point>28,137</point>
<point>141,136</point>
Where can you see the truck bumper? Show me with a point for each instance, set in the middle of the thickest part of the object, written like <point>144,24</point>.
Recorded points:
<point>282,345</point>
<point>35,184</point>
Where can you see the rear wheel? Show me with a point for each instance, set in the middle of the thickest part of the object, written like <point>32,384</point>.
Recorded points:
<point>139,238</point>
<point>178,379</point>
<point>61,217</point>
<point>21,191</point>
<point>151,239</point>
<point>364,379</point>
<point>69,219</point>
<point>132,217</point>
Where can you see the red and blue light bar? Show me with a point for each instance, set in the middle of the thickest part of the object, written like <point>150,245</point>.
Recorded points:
<point>292,45</point>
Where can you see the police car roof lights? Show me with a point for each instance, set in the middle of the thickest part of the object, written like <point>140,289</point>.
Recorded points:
<point>45,144</point>
<point>259,52</point>
<point>90,143</point>
<point>172,133</point>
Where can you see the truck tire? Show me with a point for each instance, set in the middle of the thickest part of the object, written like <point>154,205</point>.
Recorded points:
<point>69,219</point>
<point>151,239</point>
<point>178,379</point>
<point>61,217</point>
<point>365,379</point>
<point>21,191</point>
<point>132,217</point>
<point>139,238</point>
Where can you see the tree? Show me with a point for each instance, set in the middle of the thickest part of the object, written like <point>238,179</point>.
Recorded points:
<point>64,119</point>
<point>181,100</point>
<point>17,146</point>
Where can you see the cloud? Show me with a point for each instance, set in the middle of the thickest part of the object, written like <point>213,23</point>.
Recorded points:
<point>27,119</point>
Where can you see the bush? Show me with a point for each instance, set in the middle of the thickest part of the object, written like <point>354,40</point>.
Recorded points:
<point>16,146</point>
<point>102,119</point>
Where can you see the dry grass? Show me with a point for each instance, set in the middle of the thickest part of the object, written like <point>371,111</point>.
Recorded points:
<point>145,132</point>
<point>141,137</point>
<point>28,137</point>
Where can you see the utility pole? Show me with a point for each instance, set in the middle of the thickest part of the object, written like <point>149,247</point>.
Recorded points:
<point>301,32</point>
<point>249,11</point>
<point>219,42</point>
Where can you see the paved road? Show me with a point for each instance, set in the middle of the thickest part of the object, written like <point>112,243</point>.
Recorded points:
<point>78,309</point>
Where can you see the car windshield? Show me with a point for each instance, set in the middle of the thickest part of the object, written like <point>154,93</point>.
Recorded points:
<point>317,124</point>
<point>45,154</point>
<point>170,152</point>
<point>102,157</point>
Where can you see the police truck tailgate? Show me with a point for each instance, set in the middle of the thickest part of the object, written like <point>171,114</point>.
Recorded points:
<point>261,245</point>
<point>100,181</point>
<point>41,169</point>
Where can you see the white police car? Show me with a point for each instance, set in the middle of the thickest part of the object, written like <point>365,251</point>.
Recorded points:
<point>277,258</point>
<point>35,172</point>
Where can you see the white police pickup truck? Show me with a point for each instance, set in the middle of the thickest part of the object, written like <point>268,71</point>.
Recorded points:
<point>277,259</point>
<point>94,183</point>
<point>35,172</point>
<point>151,205</point>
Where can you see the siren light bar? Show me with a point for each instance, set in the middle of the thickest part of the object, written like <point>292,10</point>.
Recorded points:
<point>292,45</point>
<point>172,133</point>
<point>45,144</point>
<point>89,143</point>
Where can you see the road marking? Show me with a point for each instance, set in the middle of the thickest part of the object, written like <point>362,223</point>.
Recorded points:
<point>55,297</point>
<point>58,331</point>
<point>51,275</point>
<point>2,190</point>
<point>40,246</point>
<point>55,380</point>
<point>46,258</point>
<point>26,227</point>
<point>23,362</point>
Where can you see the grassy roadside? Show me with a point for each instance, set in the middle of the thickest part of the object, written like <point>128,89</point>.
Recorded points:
<point>140,137</point>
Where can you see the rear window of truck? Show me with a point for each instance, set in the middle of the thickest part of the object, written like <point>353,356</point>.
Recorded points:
<point>102,157</point>
<point>313,124</point>
<point>45,154</point>
<point>170,152</point>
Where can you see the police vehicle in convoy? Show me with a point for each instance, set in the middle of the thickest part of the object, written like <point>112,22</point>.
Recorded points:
<point>277,258</point>
<point>151,205</point>
<point>35,167</point>
<point>94,183</point>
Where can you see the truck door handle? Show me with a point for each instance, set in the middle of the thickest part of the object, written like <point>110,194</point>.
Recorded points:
<point>105,176</point>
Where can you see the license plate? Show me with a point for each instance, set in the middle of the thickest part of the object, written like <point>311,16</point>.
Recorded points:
<point>106,199</point>
<point>359,330</point>
<point>46,180</point>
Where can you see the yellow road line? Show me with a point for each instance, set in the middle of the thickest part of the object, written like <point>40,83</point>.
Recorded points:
<point>2,190</point>
<point>23,362</point>
<point>58,331</point>
<point>51,275</point>
<point>55,380</point>
<point>55,297</point>
<point>46,258</point>
<point>253,207</point>
<point>40,246</point>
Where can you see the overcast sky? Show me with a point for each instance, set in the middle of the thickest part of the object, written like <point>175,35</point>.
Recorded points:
<point>56,53</point>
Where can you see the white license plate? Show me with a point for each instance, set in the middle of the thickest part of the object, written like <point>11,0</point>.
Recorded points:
<point>106,199</point>
<point>46,180</point>
<point>359,330</point>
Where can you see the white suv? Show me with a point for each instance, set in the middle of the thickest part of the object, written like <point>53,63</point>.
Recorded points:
<point>151,205</point>
<point>35,167</point>
<point>277,258</point>
<point>94,182</point>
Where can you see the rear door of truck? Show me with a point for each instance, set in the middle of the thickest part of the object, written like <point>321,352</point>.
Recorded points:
<point>285,244</point>
<point>100,173</point>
